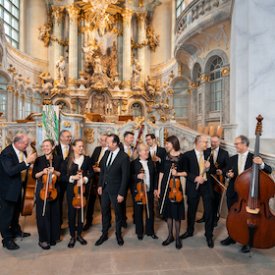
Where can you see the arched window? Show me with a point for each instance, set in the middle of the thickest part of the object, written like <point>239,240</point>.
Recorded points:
<point>181,98</point>
<point>3,96</point>
<point>216,88</point>
<point>9,12</point>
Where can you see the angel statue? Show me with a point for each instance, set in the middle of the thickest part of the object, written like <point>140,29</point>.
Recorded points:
<point>61,67</point>
<point>135,81</point>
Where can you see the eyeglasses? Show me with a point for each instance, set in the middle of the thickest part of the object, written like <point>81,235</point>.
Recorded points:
<point>237,143</point>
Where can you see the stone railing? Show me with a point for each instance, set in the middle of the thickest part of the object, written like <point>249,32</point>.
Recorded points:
<point>202,13</point>
<point>91,131</point>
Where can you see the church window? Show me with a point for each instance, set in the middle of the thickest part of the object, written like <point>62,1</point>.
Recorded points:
<point>180,6</point>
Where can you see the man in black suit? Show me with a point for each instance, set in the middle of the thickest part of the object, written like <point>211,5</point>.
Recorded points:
<point>14,163</point>
<point>196,165</point>
<point>128,148</point>
<point>96,157</point>
<point>113,181</point>
<point>63,150</point>
<point>218,163</point>
<point>157,153</point>
<point>237,164</point>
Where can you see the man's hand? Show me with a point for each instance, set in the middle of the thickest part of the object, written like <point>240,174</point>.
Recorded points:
<point>258,160</point>
<point>31,158</point>
<point>156,193</point>
<point>174,172</point>
<point>120,198</point>
<point>96,169</point>
<point>219,172</point>
<point>206,164</point>
<point>99,191</point>
<point>230,174</point>
<point>199,179</point>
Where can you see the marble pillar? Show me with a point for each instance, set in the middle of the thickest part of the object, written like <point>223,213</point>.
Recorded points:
<point>127,68</point>
<point>142,39</point>
<point>252,69</point>
<point>73,43</point>
<point>58,13</point>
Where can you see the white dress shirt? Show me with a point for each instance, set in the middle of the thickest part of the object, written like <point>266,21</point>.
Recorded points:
<point>18,153</point>
<point>79,162</point>
<point>113,154</point>
<point>146,179</point>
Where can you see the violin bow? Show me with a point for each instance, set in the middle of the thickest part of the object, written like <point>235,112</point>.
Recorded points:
<point>166,188</point>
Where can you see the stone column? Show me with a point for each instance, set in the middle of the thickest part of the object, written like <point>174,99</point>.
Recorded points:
<point>10,100</point>
<point>58,13</point>
<point>142,39</point>
<point>127,68</point>
<point>252,73</point>
<point>73,45</point>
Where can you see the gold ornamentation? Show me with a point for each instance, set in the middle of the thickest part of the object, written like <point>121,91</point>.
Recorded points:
<point>153,39</point>
<point>45,34</point>
<point>10,88</point>
<point>89,135</point>
<point>225,71</point>
<point>67,124</point>
<point>58,12</point>
<point>204,78</point>
<point>73,12</point>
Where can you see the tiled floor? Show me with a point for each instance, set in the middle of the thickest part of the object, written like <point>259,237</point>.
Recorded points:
<point>146,257</point>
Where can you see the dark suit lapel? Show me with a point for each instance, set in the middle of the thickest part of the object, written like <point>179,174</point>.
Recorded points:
<point>115,160</point>
<point>194,156</point>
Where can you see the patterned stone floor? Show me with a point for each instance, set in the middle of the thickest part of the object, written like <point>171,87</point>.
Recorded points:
<point>146,257</point>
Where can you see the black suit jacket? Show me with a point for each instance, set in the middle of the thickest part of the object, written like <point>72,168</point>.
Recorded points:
<point>10,175</point>
<point>115,178</point>
<point>58,150</point>
<point>233,165</point>
<point>161,153</point>
<point>222,161</point>
<point>96,154</point>
<point>192,168</point>
<point>86,167</point>
<point>136,166</point>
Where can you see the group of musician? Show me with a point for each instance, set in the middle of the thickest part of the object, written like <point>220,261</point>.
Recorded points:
<point>144,173</point>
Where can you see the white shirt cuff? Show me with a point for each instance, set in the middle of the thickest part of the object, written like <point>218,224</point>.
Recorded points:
<point>71,180</point>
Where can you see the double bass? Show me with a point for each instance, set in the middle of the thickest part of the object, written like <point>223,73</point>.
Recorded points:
<point>250,221</point>
<point>29,190</point>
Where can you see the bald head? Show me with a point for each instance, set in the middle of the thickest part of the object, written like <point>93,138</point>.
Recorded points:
<point>21,142</point>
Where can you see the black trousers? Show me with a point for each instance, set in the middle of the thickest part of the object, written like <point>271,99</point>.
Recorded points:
<point>108,199</point>
<point>91,197</point>
<point>48,226</point>
<point>9,218</point>
<point>208,213</point>
<point>74,215</point>
<point>62,190</point>
<point>139,210</point>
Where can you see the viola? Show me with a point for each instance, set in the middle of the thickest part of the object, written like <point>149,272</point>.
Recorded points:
<point>219,182</point>
<point>175,194</point>
<point>250,221</point>
<point>29,190</point>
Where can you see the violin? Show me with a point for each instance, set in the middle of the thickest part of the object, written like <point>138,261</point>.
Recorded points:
<point>175,194</point>
<point>79,200</point>
<point>250,221</point>
<point>48,192</point>
<point>141,196</point>
<point>219,180</point>
<point>29,190</point>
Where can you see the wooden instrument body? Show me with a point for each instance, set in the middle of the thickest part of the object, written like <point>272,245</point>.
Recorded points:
<point>49,179</point>
<point>140,197</point>
<point>175,194</point>
<point>238,218</point>
<point>79,200</point>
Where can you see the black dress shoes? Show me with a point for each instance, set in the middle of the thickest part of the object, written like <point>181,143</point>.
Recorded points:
<point>186,235</point>
<point>201,220</point>
<point>168,241</point>
<point>119,239</point>
<point>101,240</point>
<point>81,240</point>
<point>153,236</point>
<point>87,226</point>
<point>178,243</point>
<point>227,241</point>
<point>10,245</point>
<point>245,249</point>
<point>140,237</point>
<point>210,242</point>
<point>44,245</point>
<point>71,243</point>
<point>21,234</point>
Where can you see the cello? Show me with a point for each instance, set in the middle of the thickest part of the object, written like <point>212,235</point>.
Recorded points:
<point>250,221</point>
<point>29,190</point>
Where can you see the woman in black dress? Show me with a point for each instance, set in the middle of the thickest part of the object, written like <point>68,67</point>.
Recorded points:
<point>48,225</point>
<point>144,173</point>
<point>171,209</point>
<point>77,168</point>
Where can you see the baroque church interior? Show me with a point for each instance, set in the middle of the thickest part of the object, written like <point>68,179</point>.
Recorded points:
<point>167,67</point>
